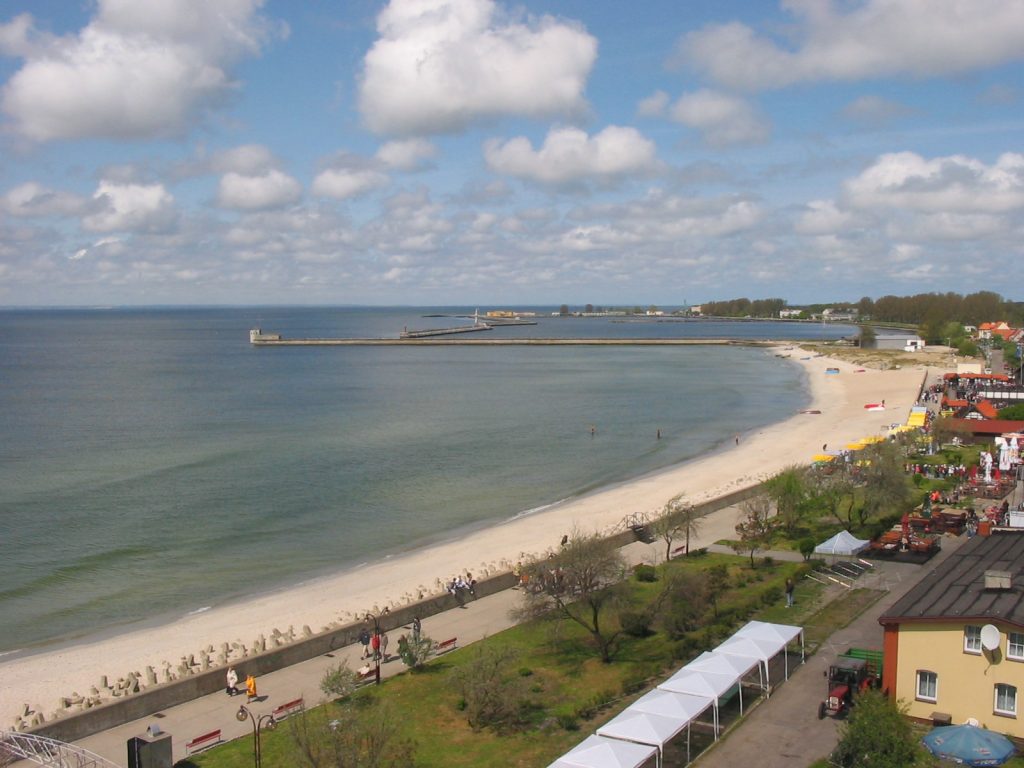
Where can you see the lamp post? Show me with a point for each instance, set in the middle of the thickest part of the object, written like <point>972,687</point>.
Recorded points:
<point>259,723</point>
<point>376,651</point>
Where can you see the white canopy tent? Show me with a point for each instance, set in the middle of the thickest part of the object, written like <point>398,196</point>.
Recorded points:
<point>703,683</point>
<point>643,728</point>
<point>738,664</point>
<point>779,634</point>
<point>750,647</point>
<point>669,704</point>
<point>843,544</point>
<point>599,752</point>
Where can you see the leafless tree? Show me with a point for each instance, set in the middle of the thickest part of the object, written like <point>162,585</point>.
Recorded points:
<point>678,518</point>
<point>357,735</point>
<point>756,528</point>
<point>582,582</point>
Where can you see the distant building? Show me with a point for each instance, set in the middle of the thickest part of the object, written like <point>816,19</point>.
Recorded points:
<point>900,341</point>
<point>954,644</point>
<point>838,315</point>
<point>1000,329</point>
<point>696,310</point>
<point>787,313</point>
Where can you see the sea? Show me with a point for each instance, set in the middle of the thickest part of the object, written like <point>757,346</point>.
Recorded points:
<point>153,463</point>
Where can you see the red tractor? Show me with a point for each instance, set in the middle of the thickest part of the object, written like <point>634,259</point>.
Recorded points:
<point>854,672</point>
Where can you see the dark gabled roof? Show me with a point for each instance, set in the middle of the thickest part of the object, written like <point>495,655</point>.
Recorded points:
<point>955,590</point>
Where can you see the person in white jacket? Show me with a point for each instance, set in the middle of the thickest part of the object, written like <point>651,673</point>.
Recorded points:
<point>232,681</point>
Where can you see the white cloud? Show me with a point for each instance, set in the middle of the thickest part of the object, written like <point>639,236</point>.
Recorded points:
<point>131,207</point>
<point>33,199</point>
<point>822,217</point>
<point>961,184</point>
<point>244,192</point>
<point>439,65</point>
<point>344,183</point>
<point>249,159</point>
<point>723,120</point>
<point>874,110</point>
<point>873,38</point>
<point>569,155</point>
<point>408,155</point>
<point>654,105</point>
<point>137,70</point>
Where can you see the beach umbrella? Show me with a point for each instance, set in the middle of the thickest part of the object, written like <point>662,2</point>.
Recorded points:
<point>969,745</point>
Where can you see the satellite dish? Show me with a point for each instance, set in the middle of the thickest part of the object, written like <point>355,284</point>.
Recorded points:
<point>990,638</point>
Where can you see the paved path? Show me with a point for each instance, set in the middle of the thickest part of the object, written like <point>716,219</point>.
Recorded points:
<point>490,615</point>
<point>784,731</point>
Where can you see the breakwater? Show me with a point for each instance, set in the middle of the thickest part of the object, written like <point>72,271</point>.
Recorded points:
<point>275,341</point>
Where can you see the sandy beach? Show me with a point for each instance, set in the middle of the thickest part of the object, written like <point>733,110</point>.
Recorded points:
<point>41,679</point>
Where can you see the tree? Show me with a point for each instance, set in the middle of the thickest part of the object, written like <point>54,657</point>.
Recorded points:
<point>492,691</point>
<point>789,491</point>
<point>415,652</point>
<point>1012,412</point>
<point>877,734</point>
<point>339,681</point>
<point>686,595</point>
<point>834,492</point>
<point>867,335</point>
<point>581,582</point>
<point>563,310</point>
<point>885,482</point>
<point>678,518</point>
<point>756,528</point>
<point>351,736</point>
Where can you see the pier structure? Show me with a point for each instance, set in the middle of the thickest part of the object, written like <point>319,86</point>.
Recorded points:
<point>428,338</point>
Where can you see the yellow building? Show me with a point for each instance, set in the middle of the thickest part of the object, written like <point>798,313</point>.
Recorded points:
<point>954,644</point>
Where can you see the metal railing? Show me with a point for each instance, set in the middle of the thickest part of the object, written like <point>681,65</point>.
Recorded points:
<point>43,751</point>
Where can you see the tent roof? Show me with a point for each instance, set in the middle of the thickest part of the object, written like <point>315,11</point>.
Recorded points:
<point>700,682</point>
<point>843,543</point>
<point>787,633</point>
<point>642,727</point>
<point>737,664</point>
<point>746,647</point>
<point>671,704</point>
<point>599,752</point>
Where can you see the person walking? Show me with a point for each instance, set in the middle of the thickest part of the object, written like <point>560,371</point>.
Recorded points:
<point>250,687</point>
<point>384,646</point>
<point>364,639</point>
<point>375,645</point>
<point>417,628</point>
<point>232,679</point>
<point>789,593</point>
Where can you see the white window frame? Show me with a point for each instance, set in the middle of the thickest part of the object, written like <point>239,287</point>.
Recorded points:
<point>995,699</point>
<point>972,639</point>
<point>917,689</point>
<point>1015,640</point>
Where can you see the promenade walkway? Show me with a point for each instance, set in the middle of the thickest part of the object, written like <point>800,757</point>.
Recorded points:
<point>787,719</point>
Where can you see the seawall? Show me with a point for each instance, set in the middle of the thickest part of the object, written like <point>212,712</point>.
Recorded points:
<point>166,695</point>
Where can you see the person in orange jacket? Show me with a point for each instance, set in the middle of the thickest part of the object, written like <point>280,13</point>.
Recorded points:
<point>250,687</point>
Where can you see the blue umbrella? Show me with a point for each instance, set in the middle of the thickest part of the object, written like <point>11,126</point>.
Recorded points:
<point>969,744</point>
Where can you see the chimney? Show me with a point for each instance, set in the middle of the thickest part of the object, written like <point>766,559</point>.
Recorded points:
<point>998,580</point>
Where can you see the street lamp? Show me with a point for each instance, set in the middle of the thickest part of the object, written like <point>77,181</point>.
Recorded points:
<point>376,651</point>
<point>261,723</point>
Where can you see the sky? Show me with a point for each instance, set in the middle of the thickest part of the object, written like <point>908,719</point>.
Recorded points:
<point>461,152</point>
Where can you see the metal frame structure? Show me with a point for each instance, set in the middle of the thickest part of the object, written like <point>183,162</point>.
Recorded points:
<point>45,751</point>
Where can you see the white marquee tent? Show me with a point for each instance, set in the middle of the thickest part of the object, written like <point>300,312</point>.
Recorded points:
<point>671,704</point>
<point>713,686</point>
<point>767,637</point>
<point>738,664</point>
<point>643,728</point>
<point>843,543</point>
<point>599,752</point>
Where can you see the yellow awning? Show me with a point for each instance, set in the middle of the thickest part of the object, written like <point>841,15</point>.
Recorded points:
<point>823,457</point>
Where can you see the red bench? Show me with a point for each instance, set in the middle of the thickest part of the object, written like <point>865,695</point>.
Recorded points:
<point>447,645</point>
<point>202,742</point>
<point>289,708</point>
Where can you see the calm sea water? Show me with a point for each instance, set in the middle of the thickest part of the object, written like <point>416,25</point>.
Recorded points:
<point>153,463</point>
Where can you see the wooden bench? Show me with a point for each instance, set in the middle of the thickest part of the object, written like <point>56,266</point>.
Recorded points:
<point>289,708</point>
<point>446,645</point>
<point>202,742</point>
<point>678,550</point>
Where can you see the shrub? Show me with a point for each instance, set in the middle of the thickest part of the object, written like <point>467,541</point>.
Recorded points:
<point>339,681</point>
<point>635,624</point>
<point>771,595</point>
<point>806,547</point>
<point>525,671</point>
<point>568,722</point>
<point>644,572</point>
<point>768,561</point>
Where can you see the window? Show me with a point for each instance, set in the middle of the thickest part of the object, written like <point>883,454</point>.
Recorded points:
<point>1015,646</point>
<point>972,639</point>
<point>1006,700</point>
<point>927,686</point>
